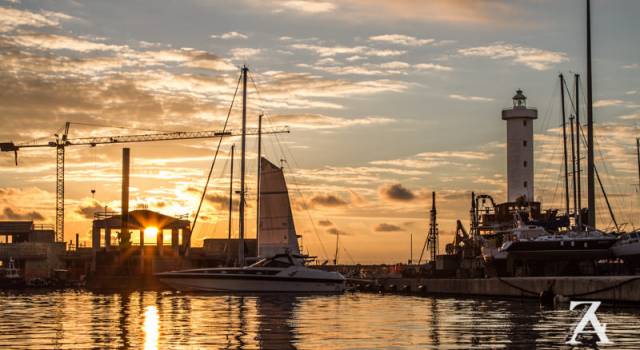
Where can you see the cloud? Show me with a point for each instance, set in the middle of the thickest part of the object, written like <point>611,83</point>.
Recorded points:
<point>334,231</point>
<point>401,39</point>
<point>427,160</point>
<point>432,67</point>
<point>396,192</point>
<point>494,12</point>
<point>534,58</point>
<point>242,53</point>
<point>325,223</point>
<point>384,227</point>
<point>319,121</point>
<point>11,18</point>
<point>11,214</point>
<point>221,202</point>
<point>230,35</point>
<point>327,200</point>
<point>470,98</point>
<point>306,7</point>
<point>633,116</point>
<point>385,68</point>
<point>607,103</point>
<point>327,51</point>
<point>88,209</point>
<point>631,66</point>
<point>45,41</point>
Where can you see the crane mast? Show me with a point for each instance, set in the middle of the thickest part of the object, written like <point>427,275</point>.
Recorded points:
<point>62,141</point>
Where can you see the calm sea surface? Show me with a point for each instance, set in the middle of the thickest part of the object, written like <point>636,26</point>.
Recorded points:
<point>166,320</point>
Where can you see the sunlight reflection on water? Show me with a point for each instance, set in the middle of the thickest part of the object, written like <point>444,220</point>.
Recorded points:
<point>167,320</point>
<point>151,325</point>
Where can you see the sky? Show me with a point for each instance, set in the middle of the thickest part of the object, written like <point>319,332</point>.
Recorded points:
<point>386,101</point>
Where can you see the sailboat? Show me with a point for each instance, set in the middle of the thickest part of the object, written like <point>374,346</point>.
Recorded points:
<point>280,266</point>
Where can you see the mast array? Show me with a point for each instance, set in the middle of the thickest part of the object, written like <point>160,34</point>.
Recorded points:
<point>591,192</point>
<point>242,166</point>
<point>564,144</point>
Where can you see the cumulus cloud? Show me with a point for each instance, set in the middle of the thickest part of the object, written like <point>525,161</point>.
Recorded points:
<point>396,192</point>
<point>534,58</point>
<point>11,214</point>
<point>221,202</point>
<point>327,200</point>
<point>401,39</point>
<point>88,209</point>
<point>334,231</point>
<point>325,223</point>
<point>230,35</point>
<point>384,227</point>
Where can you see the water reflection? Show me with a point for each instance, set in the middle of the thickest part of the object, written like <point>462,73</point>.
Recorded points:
<point>276,316</point>
<point>153,320</point>
<point>151,328</point>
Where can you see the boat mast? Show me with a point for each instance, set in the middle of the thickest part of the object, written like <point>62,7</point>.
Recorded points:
<point>573,171</point>
<point>578,170</point>
<point>335,260</point>
<point>564,144</point>
<point>230,204</point>
<point>258,177</point>
<point>242,166</point>
<point>433,230</point>
<point>591,192</point>
<point>638,158</point>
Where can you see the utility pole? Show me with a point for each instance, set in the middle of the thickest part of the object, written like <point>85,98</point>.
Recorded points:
<point>245,70</point>
<point>591,190</point>
<point>564,144</point>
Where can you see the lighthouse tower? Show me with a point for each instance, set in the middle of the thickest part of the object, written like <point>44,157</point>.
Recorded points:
<point>519,148</point>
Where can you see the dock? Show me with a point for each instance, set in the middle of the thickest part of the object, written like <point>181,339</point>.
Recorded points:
<point>613,289</point>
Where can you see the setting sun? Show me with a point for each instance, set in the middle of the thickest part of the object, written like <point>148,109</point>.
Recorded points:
<point>150,234</point>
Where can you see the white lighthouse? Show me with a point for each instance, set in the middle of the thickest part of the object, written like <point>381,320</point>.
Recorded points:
<point>519,148</point>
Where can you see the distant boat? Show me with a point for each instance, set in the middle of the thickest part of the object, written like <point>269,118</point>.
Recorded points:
<point>10,277</point>
<point>280,266</point>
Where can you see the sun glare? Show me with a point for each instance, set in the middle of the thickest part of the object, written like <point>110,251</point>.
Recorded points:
<point>150,234</point>
<point>151,326</point>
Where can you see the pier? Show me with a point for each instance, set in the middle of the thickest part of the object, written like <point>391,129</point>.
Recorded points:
<point>613,289</point>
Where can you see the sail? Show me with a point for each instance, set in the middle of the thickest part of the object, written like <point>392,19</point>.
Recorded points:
<point>277,233</point>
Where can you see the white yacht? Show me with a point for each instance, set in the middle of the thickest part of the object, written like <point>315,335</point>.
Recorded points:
<point>280,267</point>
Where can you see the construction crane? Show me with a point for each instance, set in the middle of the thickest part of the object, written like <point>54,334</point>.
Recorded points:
<point>62,141</point>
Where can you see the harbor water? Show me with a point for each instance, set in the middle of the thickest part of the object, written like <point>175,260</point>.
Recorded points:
<point>167,320</point>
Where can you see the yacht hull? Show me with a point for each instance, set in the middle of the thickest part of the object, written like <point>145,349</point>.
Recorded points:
<point>259,284</point>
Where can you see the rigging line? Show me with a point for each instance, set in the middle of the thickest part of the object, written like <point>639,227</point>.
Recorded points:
<point>348,254</point>
<point>284,155</point>
<point>582,136</point>
<point>297,188</point>
<point>213,163</point>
